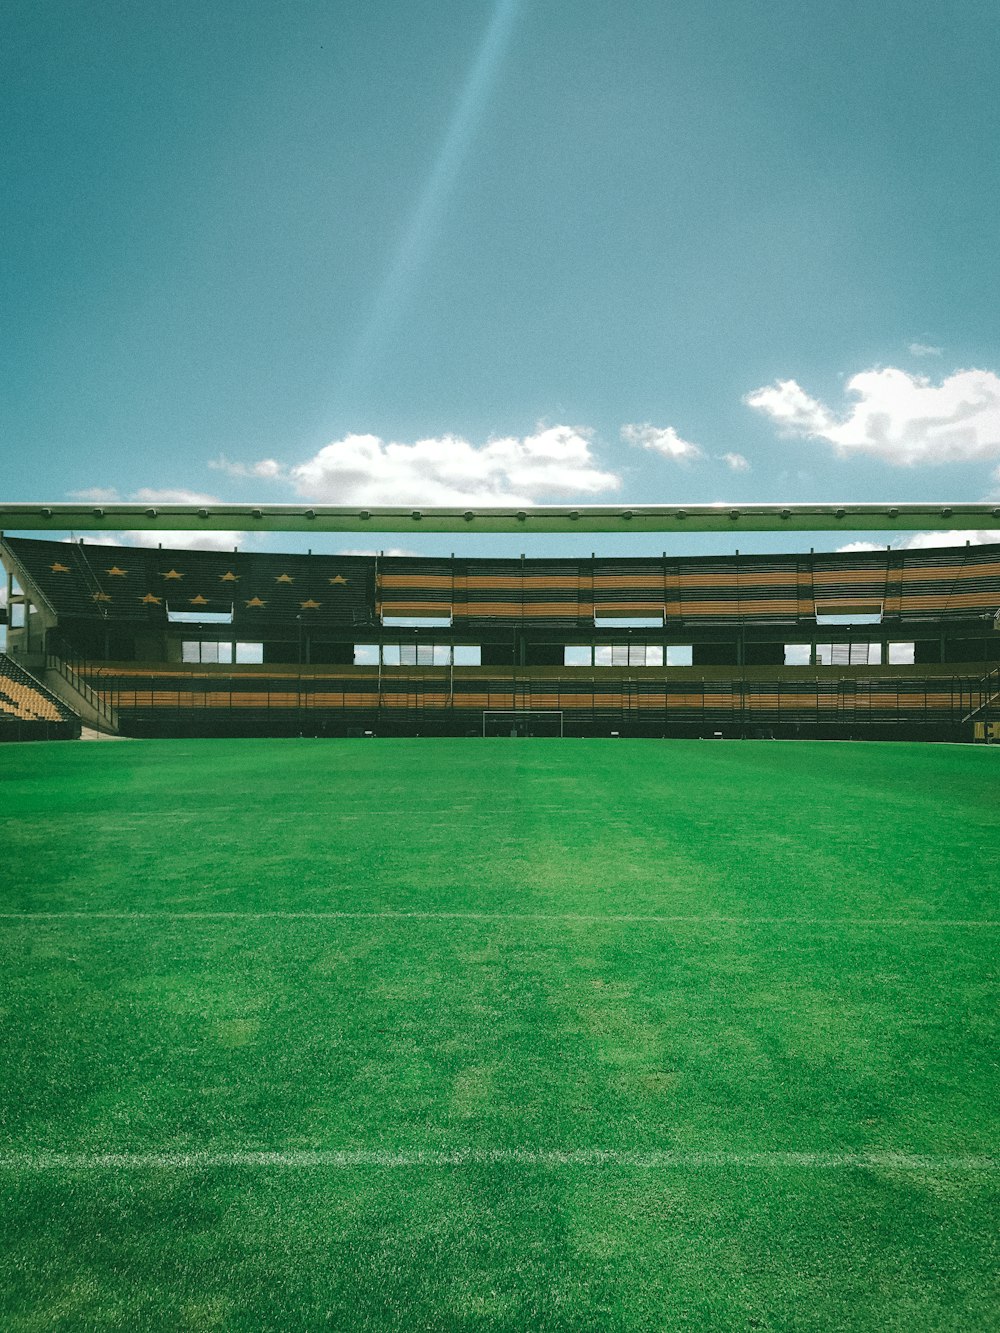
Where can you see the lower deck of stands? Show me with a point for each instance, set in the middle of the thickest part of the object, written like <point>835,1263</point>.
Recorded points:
<point>28,711</point>
<point>170,700</point>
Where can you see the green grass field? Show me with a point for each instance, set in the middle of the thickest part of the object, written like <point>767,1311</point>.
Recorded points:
<point>499,1035</point>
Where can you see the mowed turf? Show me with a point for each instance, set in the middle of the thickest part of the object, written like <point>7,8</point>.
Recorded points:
<point>499,1035</point>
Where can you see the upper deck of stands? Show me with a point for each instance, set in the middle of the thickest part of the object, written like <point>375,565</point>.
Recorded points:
<point>140,586</point>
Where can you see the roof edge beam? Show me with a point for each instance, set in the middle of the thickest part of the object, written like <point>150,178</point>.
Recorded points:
<point>621,519</point>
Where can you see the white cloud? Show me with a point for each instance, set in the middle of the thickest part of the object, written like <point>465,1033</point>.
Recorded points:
<point>923,349</point>
<point>904,419</point>
<point>446,470</point>
<point>265,467</point>
<point>661,440</point>
<point>737,462</point>
<point>393,550</point>
<point>97,494</point>
<point>150,496</point>
<point>222,540</point>
<point>922,541</point>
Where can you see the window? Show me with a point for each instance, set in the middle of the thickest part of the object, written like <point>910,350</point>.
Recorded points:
<point>366,654</point>
<point>848,654</point>
<point>836,613</point>
<point>900,654</point>
<point>250,654</point>
<point>467,654</point>
<point>220,616</point>
<point>627,622</point>
<point>680,655</point>
<point>577,655</point>
<point>627,654</point>
<point>418,622</point>
<point>797,654</point>
<point>16,614</point>
<point>418,654</point>
<point>214,652</point>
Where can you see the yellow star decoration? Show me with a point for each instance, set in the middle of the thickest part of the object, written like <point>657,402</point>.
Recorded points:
<point>101,597</point>
<point>338,578</point>
<point>57,568</point>
<point>149,599</point>
<point>115,572</point>
<point>284,578</point>
<point>172,574</point>
<point>256,601</point>
<point>310,605</point>
<point>229,577</point>
<point>199,600</point>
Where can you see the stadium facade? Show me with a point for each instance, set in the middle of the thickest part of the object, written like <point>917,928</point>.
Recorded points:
<point>892,643</point>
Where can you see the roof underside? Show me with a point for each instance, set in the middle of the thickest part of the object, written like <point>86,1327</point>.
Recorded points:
<point>538,518</point>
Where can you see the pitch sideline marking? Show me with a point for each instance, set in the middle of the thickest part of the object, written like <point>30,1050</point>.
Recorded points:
<point>345,1159</point>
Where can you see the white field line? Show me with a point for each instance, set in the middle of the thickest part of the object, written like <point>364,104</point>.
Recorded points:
<point>582,917</point>
<point>348,1159</point>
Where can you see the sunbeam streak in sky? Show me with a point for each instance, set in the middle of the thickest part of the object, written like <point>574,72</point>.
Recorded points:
<point>423,223</point>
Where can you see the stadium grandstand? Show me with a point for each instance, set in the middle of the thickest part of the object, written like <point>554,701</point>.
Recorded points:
<point>887,643</point>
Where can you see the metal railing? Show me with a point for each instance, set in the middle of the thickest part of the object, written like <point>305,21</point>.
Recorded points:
<point>71,667</point>
<point>989,693</point>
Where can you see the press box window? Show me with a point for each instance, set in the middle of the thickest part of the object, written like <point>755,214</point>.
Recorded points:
<point>798,654</point>
<point>213,653</point>
<point>900,654</point>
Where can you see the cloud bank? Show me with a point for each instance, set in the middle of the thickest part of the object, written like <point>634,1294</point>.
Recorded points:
<point>903,419</point>
<point>443,470</point>
<point>662,440</point>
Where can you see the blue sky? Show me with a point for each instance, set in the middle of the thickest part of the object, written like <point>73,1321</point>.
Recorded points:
<point>440,250</point>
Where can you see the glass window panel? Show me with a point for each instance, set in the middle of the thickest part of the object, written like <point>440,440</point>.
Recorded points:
<point>797,654</point>
<point>679,654</point>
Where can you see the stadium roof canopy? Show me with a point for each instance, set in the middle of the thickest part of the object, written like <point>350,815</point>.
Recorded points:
<point>621,518</point>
